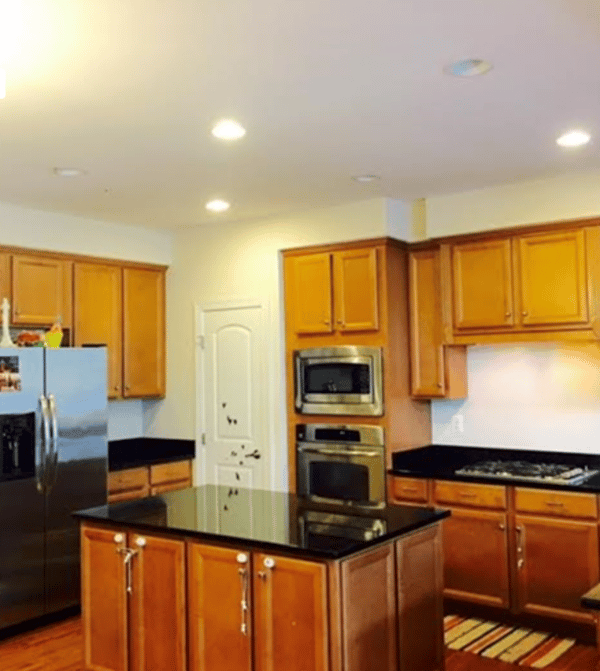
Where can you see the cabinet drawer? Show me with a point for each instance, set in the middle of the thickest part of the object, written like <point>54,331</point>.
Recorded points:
<point>410,489</point>
<point>131,478</point>
<point>563,504</point>
<point>461,493</point>
<point>176,470</point>
<point>170,487</point>
<point>129,494</point>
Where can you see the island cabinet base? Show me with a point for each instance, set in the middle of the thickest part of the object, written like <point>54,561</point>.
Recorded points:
<point>152,602</point>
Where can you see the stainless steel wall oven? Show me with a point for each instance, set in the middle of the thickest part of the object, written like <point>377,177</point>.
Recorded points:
<point>345,380</point>
<point>342,465</point>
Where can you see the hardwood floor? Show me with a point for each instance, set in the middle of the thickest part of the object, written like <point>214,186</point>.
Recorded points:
<point>58,648</point>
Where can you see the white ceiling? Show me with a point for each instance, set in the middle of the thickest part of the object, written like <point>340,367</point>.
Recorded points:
<point>129,89</point>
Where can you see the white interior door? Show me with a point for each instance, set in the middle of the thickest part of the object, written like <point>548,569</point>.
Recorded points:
<point>232,397</point>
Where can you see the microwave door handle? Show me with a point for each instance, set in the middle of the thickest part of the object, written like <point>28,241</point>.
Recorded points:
<point>339,453</point>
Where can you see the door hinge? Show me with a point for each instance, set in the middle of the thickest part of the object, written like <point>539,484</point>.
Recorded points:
<point>201,341</point>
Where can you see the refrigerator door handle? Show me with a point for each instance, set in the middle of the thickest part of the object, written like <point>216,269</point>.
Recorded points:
<point>40,470</point>
<point>53,456</point>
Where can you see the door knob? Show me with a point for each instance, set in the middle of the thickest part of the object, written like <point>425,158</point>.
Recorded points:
<point>118,538</point>
<point>269,562</point>
<point>140,542</point>
<point>242,558</point>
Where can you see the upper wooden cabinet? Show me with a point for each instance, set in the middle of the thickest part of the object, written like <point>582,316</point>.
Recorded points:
<point>482,283</point>
<point>525,285</point>
<point>437,371</point>
<point>41,290</point>
<point>143,332</point>
<point>333,291</point>
<point>98,315</point>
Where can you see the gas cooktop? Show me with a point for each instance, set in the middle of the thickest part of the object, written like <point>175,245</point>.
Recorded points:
<point>529,471</point>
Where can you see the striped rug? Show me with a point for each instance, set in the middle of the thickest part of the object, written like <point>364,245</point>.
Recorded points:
<point>515,645</point>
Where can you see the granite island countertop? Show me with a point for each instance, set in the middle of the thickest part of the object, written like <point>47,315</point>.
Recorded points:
<point>257,519</point>
<point>440,462</point>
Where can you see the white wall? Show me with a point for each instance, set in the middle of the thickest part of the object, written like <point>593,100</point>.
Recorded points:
<point>238,261</point>
<point>571,196</point>
<point>527,397</point>
<point>34,229</point>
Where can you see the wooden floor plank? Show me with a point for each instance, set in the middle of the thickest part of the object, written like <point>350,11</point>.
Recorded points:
<point>58,647</point>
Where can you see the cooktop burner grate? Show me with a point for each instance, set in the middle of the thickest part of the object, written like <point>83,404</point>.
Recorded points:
<point>527,470</point>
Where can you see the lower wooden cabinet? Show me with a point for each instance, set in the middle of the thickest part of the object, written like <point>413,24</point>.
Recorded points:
<point>476,557</point>
<point>133,601</point>
<point>557,562</point>
<point>137,483</point>
<point>153,603</point>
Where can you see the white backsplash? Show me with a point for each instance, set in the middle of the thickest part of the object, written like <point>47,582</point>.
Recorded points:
<point>527,397</point>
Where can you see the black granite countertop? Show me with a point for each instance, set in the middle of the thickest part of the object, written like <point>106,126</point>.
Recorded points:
<point>135,452</point>
<point>258,519</point>
<point>441,461</point>
<point>591,599</point>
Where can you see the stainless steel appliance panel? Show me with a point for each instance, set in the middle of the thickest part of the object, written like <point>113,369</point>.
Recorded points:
<point>342,380</point>
<point>22,505</point>
<point>77,463</point>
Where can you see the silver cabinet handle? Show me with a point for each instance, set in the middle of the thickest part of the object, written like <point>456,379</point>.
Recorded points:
<point>520,546</point>
<point>128,555</point>
<point>269,562</point>
<point>118,538</point>
<point>242,558</point>
<point>243,573</point>
<point>140,542</point>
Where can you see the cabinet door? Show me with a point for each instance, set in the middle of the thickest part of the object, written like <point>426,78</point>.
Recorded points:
<point>41,290</point>
<point>368,596</point>
<point>158,604</point>
<point>308,296</point>
<point>482,285</point>
<point>290,614</point>
<point>426,350</point>
<point>553,278</point>
<point>98,315</point>
<point>143,332</point>
<point>104,600</point>
<point>557,562</point>
<point>220,627</point>
<point>356,303</point>
<point>476,557</point>
<point>5,282</point>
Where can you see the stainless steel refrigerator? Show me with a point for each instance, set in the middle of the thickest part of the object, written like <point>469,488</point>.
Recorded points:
<point>53,460</point>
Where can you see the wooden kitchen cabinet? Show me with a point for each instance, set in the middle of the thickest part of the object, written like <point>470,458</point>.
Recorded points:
<point>290,614</point>
<point>475,546</point>
<point>527,286</point>
<point>143,332</point>
<point>220,638</point>
<point>482,284</point>
<point>5,283</point>
<point>137,483</point>
<point>557,562</point>
<point>104,617</point>
<point>98,315</point>
<point>41,290</point>
<point>553,278</point>
<point>333,291</point>
<point>437,370</point>
<point>133,610</point>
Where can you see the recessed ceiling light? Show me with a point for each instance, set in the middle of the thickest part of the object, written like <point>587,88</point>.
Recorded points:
<point>228,129</point>
<point>574,138</point>
<point>366,178</point>
<point>68,172</point>
<point>470,67</point>
<point>217,205</point>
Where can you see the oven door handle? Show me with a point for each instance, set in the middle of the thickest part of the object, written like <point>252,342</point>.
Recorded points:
<point>339,453</point>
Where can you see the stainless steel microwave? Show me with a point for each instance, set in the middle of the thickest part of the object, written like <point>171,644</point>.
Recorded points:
<point>344,380</point>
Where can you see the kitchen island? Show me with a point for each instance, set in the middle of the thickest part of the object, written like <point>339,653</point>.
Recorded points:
<point>216,578</point>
